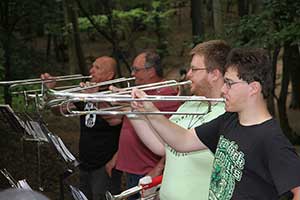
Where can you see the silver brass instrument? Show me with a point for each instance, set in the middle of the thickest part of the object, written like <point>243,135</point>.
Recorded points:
<point>50,98</point>
<point>150,86</point>
<point>148,184</point>
<point>96,98</point>
<point>16,83</point>
<point>101,84</point>
<point>55,98</point>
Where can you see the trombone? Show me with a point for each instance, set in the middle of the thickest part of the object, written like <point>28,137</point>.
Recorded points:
<point>51,97</point>
<point>25,82</point>
<point>150,86</point>
<point>119,110</point>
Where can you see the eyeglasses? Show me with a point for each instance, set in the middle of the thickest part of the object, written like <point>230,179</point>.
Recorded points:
<point>196,69</point>
<point>136,69</point>
<point>229,83</point>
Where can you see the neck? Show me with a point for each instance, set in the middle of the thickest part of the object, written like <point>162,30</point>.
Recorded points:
<point>154,79</point>
<point>215,90</point>
<point>256,112</point>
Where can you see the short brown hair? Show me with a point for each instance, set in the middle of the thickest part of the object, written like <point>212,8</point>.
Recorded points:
<point>214,52</point>
<point>252,64</point>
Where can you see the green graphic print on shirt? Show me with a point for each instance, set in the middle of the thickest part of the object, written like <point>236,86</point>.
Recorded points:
<point>227,168</point>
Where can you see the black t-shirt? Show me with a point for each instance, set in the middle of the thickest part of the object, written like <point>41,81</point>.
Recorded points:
<point>98,140</point>
<point>251,162</point>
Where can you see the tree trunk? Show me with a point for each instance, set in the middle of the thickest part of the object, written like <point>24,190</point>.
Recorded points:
<point>283,94</point>
<point>270,100</point>
<point>295,74</point>
<point>256,6</point>
<point>218,17</point>
<point>197,20</point>
<point>243,6</point>
<point>77,41</point>
<point>48,51</point>
<point>7,67</point>
<point>74,45</point>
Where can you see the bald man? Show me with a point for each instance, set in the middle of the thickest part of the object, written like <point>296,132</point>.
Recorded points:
<point>99,136</point>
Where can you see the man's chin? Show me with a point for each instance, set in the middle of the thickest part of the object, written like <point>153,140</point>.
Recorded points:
<point>229,108</point>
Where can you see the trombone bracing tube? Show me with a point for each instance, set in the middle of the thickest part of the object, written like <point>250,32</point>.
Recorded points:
<point>38,80</point>
<point>155,181</point>
<point>105,83</point>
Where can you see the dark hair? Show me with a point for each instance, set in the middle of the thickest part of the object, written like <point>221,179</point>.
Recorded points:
<point>252,64</point>
<point>214,52</point>
<point>152,59</point>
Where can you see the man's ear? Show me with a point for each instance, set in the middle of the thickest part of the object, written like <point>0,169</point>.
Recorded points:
<point>255,88</point>
<point>110,75</point>
<point>215,74</point>
<point>151,72</point>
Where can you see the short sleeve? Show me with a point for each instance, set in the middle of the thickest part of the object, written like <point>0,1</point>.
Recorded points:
<point>166,106</point>
<point>283,163</point>
<point>209,132</point>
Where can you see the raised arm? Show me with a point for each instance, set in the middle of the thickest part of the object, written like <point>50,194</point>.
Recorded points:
<point>180,139</point>
<point>148,135</point>
<point>296,193</point>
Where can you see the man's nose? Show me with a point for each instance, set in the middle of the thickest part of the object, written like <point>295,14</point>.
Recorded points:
<point>91,70</point>
<point>132,73</point>
<point>224,89</point>
<point>189,74</point>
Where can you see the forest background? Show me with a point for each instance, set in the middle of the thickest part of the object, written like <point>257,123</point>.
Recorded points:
<point>64,36</point>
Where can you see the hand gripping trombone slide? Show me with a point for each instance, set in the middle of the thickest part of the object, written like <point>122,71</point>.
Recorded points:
<point>140,188</point>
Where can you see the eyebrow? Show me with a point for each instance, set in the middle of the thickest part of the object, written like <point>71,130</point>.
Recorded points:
<point>192,66</point>
<point>228,79</point>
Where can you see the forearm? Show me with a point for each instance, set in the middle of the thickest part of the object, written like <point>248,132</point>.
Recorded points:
<point>158,169</point>
<point>148,135</point>
<point>296,193</point>
<point>177,137</point>
<point>180,139</point>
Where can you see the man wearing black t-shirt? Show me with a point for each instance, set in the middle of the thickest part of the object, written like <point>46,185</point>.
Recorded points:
<point>253,158</point>
<point>99,138</point>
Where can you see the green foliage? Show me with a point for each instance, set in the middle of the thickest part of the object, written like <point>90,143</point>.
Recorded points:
<point>276,24</point>
<point>125,20</point>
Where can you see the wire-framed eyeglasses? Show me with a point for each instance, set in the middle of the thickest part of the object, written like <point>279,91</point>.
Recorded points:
<point>229,83</point>
<point>194,69</point>
<point>137,69</point>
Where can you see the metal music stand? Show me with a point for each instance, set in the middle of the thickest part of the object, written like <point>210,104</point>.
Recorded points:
<point>21,184</point>
<point>61,149</point>
<point>31,131</point>
<point>66,155</point>
<point>8,119</point>
<point>35,133</point>
<point>40,133</point>
<point>77,194</point>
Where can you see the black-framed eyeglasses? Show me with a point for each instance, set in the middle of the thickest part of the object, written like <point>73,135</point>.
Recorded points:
<point>229,83</point>
<point>193,69</point>
<point>137,69</point>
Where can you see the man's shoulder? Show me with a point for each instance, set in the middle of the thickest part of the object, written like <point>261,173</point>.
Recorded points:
<point>166,91</point>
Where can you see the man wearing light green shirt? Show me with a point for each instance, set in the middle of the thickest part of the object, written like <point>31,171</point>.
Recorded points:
<point>187,175</point>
